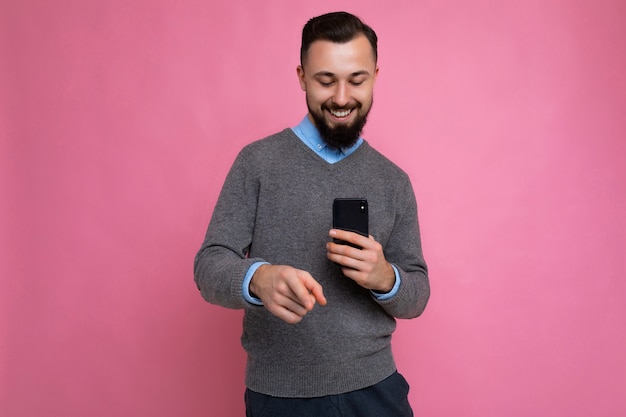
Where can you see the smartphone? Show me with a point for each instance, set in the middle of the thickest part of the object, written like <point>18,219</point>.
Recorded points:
<point>351,214</point>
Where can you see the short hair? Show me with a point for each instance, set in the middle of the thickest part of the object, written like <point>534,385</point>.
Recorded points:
<point>337,27</point>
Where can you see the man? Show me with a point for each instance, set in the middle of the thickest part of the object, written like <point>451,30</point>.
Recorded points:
<point>319,315</point>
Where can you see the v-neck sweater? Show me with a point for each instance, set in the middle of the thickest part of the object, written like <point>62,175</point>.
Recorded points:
<point>276,206</point>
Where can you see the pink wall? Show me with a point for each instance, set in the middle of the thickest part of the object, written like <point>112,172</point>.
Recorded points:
<point>119,120</point>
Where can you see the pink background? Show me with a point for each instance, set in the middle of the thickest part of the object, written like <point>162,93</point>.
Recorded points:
<point>120,119</point>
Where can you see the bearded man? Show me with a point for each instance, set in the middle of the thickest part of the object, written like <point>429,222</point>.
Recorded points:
<point>319,315</point>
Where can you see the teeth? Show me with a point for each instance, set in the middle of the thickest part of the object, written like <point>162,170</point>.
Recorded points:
<point>342,113</point>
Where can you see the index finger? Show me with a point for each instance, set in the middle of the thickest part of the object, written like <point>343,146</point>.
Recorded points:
<point>309,292</point>
<point>315,289</point>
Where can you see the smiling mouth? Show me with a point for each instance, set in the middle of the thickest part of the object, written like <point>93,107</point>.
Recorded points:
<point>340,113</point>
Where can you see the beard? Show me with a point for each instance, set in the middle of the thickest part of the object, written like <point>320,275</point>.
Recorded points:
<point>341,136</point>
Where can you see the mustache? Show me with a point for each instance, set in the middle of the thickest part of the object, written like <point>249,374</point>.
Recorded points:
<point>349,106</point>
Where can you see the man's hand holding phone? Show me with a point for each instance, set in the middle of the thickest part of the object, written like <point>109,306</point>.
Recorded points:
<point>366,266</point>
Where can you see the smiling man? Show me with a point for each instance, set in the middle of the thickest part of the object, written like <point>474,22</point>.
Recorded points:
<point>271,251</point>
<point>338,79</point>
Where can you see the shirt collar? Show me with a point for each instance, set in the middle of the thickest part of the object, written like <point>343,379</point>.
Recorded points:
<point>307,131</point>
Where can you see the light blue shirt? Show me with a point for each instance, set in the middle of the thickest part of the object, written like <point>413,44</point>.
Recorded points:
<point>308,133</point>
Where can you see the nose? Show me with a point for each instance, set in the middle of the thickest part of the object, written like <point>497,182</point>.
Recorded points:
<point>341,97</point>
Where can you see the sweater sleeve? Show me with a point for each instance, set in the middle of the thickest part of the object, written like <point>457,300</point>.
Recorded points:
<point>404,251</point>
<point>222,261</point>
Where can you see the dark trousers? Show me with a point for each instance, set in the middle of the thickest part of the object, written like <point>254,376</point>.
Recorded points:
<point>388,398</point>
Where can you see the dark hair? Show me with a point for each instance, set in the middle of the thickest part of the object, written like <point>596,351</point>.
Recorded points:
<point>338,27</point>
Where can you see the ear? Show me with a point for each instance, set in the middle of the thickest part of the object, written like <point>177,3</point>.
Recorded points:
<point>300,72</point>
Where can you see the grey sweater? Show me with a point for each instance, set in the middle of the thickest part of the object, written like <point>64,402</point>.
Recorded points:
<point>276,206</point>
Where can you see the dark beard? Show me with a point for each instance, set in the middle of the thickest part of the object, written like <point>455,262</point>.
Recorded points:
<point>341,136</point>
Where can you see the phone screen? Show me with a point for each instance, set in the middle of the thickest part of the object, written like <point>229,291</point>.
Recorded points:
<point>351,214</point>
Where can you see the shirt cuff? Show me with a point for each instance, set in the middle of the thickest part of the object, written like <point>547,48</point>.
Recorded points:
<point>246,284</point>
<point>393,291</point>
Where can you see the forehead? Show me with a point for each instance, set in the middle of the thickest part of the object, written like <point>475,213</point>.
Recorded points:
<point>349,57</point>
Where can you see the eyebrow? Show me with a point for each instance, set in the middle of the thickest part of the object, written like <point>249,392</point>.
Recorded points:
<point>330,74</point>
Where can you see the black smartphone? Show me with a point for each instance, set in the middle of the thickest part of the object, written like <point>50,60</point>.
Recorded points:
<point>351,214</point>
